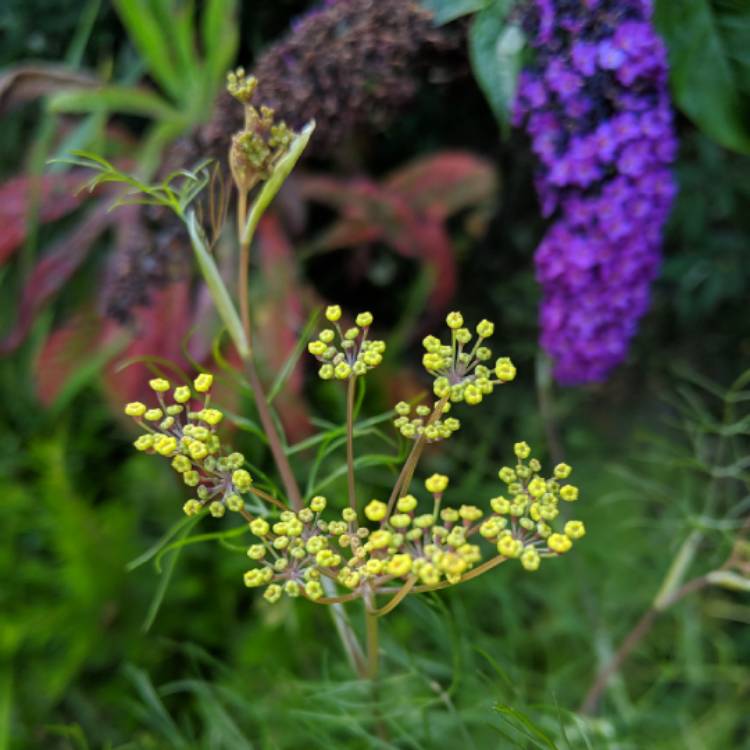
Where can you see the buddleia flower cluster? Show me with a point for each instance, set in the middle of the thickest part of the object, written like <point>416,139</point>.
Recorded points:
<point>596,105</point>
<point>405,545</point>
<point>459,368</point>
<point>423,423</point>
<point>346,353</point>
<point>184,430</point>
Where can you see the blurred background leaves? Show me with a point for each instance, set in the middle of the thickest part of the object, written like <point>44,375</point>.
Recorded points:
<point>505,660</point>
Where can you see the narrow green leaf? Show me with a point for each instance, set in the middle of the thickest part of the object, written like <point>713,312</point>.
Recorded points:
<point>186,522</point>
<point>166,577</point>
<point>532,731</point>
<point>216,286</point>
<point>152,42</point>
<point>126,100</point>
<point>495,49</point>
<point>276,180</point>
<point>293,358</point>
<point>197,539</point>
<point>158,714</point>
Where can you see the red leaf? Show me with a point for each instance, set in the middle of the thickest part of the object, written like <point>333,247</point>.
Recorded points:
<point>54,194</point>
<point>55,268</point>
<point>64,350</point>
<point>280,318</point>
<point>159,330</point>
<point>446,183</point>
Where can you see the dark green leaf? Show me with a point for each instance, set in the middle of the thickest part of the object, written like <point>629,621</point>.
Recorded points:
<point>495,48</point>
<point>704,79</point>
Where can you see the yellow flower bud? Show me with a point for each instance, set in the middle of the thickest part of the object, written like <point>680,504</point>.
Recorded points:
<point>203,382</point>
<point>530,559</point>
<point>522,450</point>
<point>241,479</point>
<point>470,512</point>
<point>380,538</point>
<point>333,313</point>
<point>507,546</point>
<point>454,320</point>
<point>182,394</point>
<point>273,593</point>
<point>562,471</point>
<point>144,442</point>
<point>259,527</point>
<point>364,319</point>
<point>559,543</point>
<point>318,504</point>
<point>485,329</point>
<point>375,510</point>
<point>505,370</point>
<point>154,415</point>
<point>575,529</point>
<point>569,493</point>
<point>135,409</point>
<point>160,385</point>
<point>436,484</point>
<point>406,504</point>
<point>313,590</point>
<point>165,446</point>
<point>399,565</point>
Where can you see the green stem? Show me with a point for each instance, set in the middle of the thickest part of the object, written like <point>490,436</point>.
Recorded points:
<point>350,440</point>
<point>373,645</point>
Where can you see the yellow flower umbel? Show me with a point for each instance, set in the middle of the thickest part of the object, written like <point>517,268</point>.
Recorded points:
<point>185,432</point>
<point>461,371</point>
<point>346,353</point>
<point>403,547</point>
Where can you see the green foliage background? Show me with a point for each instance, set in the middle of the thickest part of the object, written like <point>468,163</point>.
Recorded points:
<point>501,662</point>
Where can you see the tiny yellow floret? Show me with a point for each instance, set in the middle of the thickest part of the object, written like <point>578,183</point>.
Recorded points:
<point>160,385</point>
<point>333,313</point>
<point>182,394</point>
<point>203,382</point>
<point>364,319</point>
<point>376,510</point>
<point>454,320</point>
<point>436,484</point>
<point>135,409</point>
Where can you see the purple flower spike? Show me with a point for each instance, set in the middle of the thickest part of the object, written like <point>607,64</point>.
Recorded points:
<point>596,108</point>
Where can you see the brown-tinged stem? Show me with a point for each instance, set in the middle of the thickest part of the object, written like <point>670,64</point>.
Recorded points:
<point>410,465</point>
<point>261,402</point>
<point>634,637</point>
<point>243,279</point>
<point>373,643</point>
<point>268,498</point>
<point>397,599</point>
<point>666,597</point>
<point>483,568</point>
<point>274,442</point>
<point>350,391</point>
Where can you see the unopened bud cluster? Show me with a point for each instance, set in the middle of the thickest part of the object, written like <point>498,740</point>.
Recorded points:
<point>260,144</point>
<point>425,421</point>
<point>459,369</point>
<point>345,353</point>
<point>185,431</point>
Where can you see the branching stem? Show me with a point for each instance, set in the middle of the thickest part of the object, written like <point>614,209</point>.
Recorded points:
<point>350,391</point>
